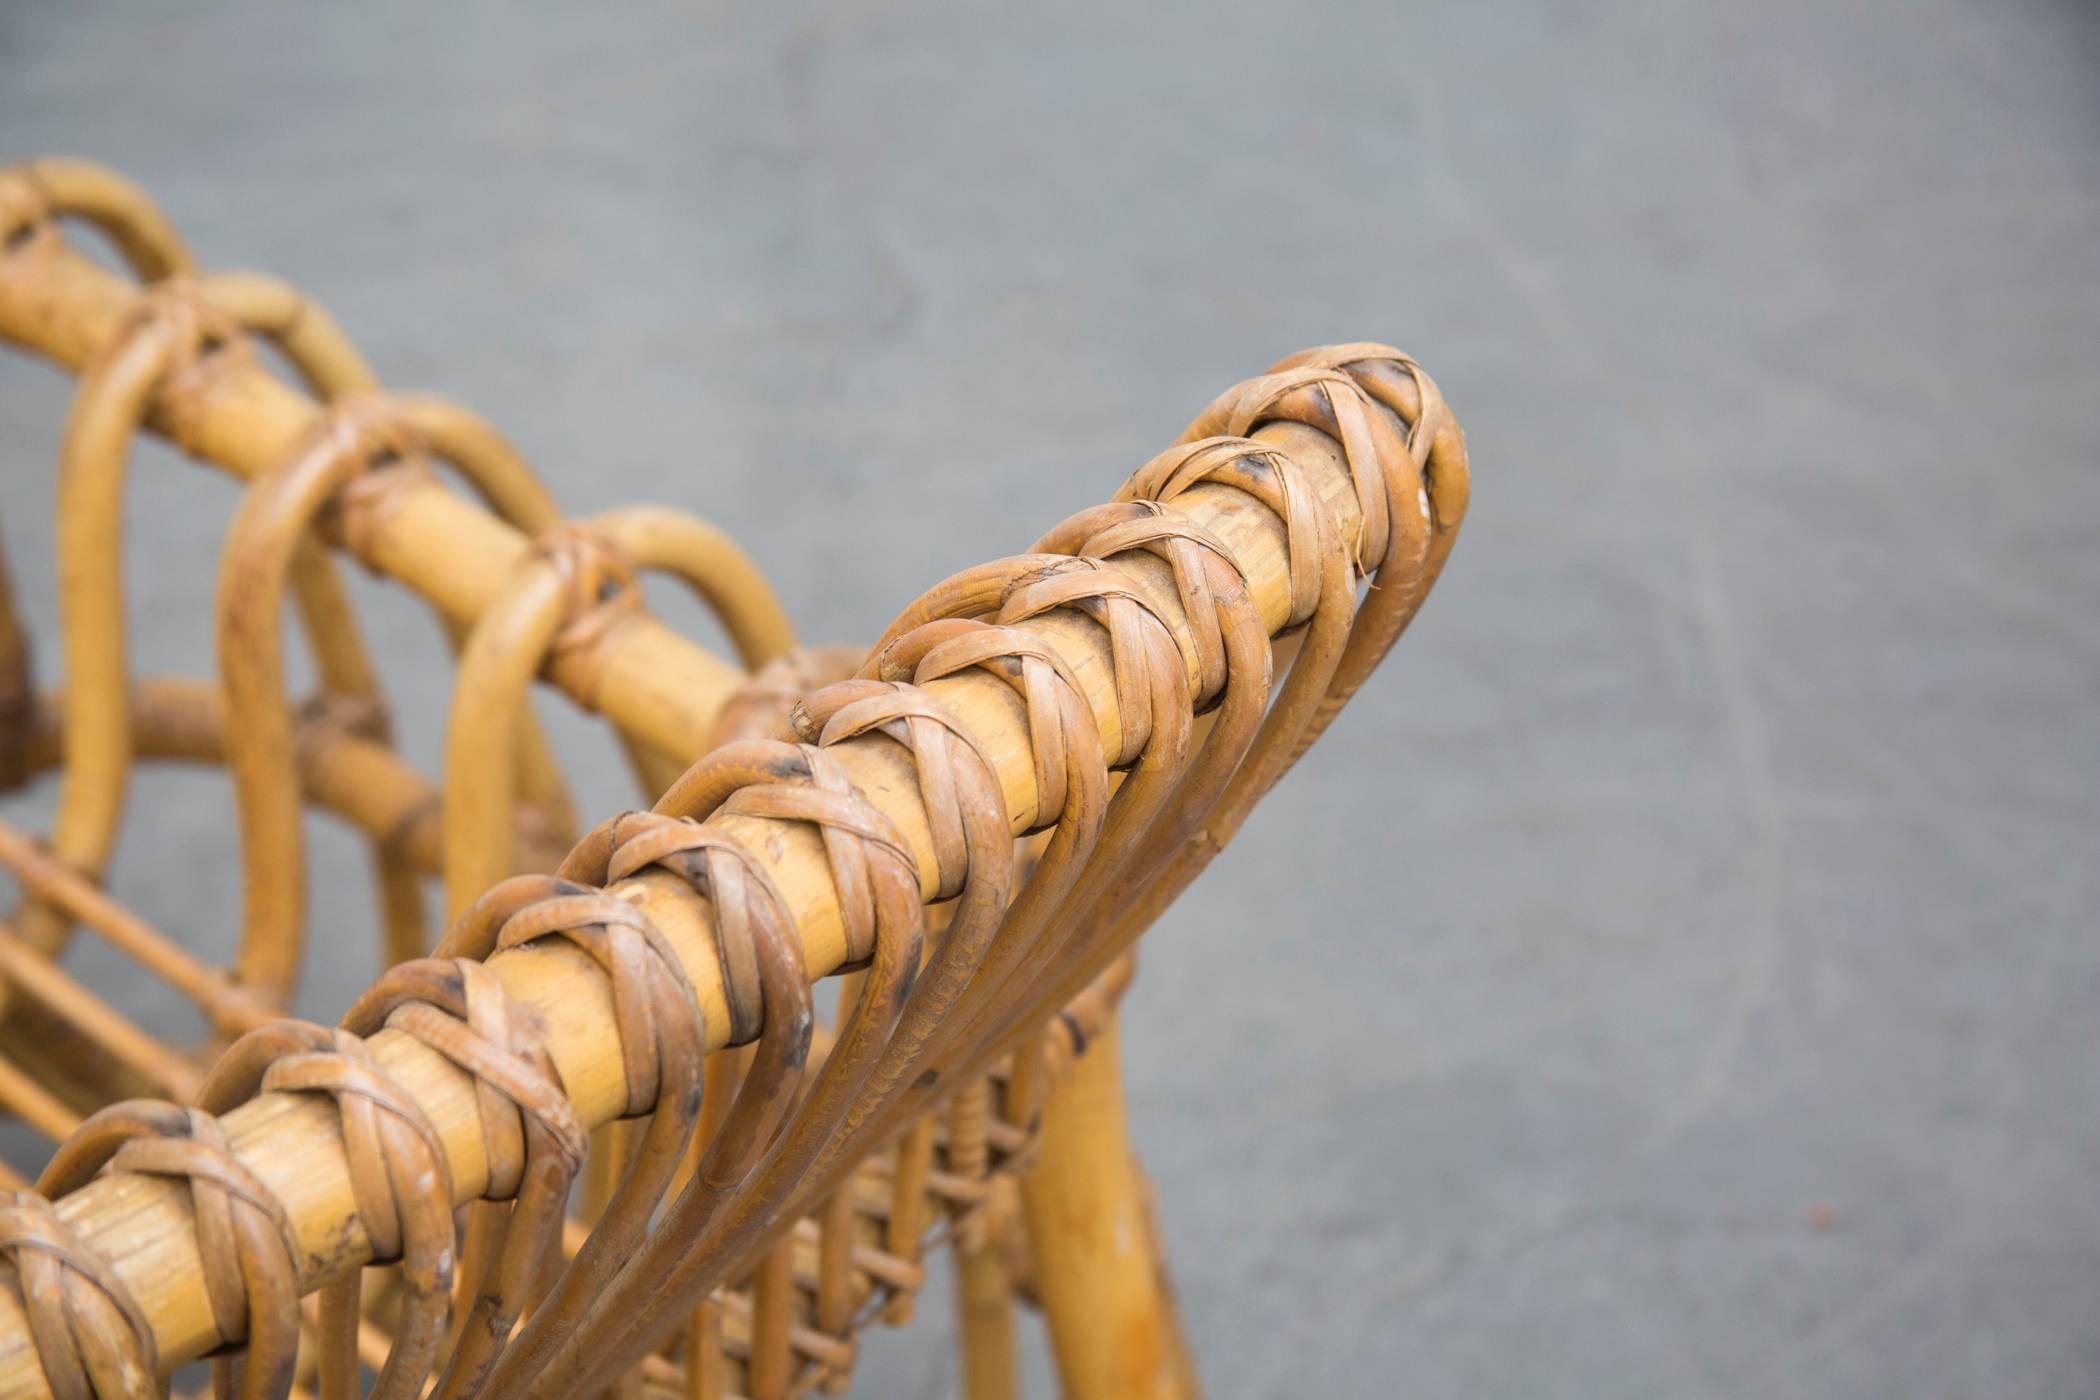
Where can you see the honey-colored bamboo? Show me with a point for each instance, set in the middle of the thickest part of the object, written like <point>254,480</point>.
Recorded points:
<point>1096,1266</point>
<point>455,552</point>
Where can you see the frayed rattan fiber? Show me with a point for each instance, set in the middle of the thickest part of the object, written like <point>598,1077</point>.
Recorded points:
<point>601,1132</point>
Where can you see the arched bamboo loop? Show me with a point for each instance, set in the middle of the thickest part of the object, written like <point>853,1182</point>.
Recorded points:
<point>454,437</point>
<point>274,522</point>
<point>559,603</point>
<point>166,339</point>
<point>32,196</point>
<point>323,356</point>
<point>302,330</point>
<point>656,539</point>
<point>488,463</point>
<point>707,561</point>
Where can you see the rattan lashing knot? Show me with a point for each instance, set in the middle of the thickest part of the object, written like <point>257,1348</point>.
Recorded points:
<point>1208,583</point>
<point>1334,404</point>
<point>1147,643</point>
<point>1393,378</point>
<point>764,982</point>
<point>534,1140</point>
<point>368,438</point>
<point>458,1008</point>
<point>251,1256</point>
<point>400,1176</point>
<point>1264,473</point>
<point>91,1336</point>
<point>973,850</point>
<point>200,347</point>
<point>655,1013</point>
<point>957,785</point>
<point>663,1044</point>
<point>1064,746</point>
<point>1430,487</point>
<point>861,846</point>
<point>599,587</point>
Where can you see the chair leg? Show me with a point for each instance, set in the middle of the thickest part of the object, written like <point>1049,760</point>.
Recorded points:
<point>984,1308</point>
<point>1099,1271</point>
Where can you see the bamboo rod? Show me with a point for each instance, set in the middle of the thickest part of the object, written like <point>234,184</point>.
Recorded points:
<point>224,1003</point>
<point>35,1105</point>
<point>357,779</point>
<point>80,1008</point>
<point>293,1144</point>
<point>1101,1281</point>
<point>656,685</point>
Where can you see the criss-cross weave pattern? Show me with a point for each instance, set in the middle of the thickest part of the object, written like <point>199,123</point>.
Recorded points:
<point>969,824</point>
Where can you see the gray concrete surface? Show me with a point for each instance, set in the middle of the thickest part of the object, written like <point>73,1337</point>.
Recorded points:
<point>1677,975</point>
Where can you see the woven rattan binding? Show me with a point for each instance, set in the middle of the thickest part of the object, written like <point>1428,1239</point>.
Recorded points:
<point>971,821</point>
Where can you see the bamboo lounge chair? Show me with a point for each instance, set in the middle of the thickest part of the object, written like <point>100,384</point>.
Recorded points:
<point>600,1132</point>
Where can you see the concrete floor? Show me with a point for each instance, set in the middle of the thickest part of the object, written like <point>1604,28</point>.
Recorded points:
<point>1676,976</point>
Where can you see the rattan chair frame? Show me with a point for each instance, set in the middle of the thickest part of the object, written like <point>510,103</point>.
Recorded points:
<point>969,823</point>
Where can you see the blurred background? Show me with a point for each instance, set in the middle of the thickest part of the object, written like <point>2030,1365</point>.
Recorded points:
<point>1676,975</point>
